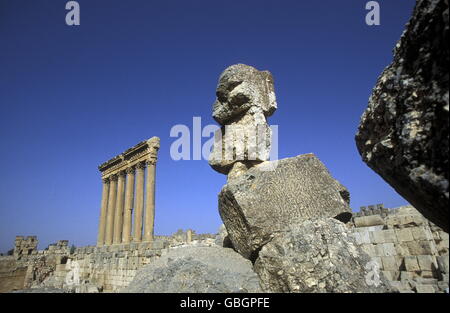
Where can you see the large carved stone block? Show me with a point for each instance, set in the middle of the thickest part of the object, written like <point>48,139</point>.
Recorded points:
<point>265,198</point>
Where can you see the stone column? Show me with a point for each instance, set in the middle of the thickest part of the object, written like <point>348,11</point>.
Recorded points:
<point>139,202</point>
<point>110,210</point>
<point>150,200</point>
<point>189,236</point>
<point>118,219</point>
<point>129,196</point>
<point>103,210</point>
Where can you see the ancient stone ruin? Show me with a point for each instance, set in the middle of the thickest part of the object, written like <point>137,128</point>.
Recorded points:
<point>123,192</point>
<point>267,201</point>
<point>245,98</point>
<point>25,245</point>
<point>404,132</point>
<point>288,226</point>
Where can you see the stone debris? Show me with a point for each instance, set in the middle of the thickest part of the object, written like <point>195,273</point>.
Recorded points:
<point>403,134</point>
<point>196,269</point>
<point>317,255</point>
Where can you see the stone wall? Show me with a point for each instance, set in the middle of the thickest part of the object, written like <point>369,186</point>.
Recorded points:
<point>412,252</point>
<point>86,269</point>
<point>12,276</point>
<point>107,269</point>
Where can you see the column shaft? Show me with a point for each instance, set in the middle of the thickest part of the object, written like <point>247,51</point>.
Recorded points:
<point>150,201</point>
<point>129,196</point>
<point>110,210</point>
<point>103,210</point>
<point>139,202</point>
<point>118,219</point>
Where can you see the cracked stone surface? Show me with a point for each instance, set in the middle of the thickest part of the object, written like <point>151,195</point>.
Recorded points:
<point>318,255</point>
<point>403,134</point>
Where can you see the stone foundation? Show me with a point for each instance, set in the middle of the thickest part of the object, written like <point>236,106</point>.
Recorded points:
<point>412,252</point>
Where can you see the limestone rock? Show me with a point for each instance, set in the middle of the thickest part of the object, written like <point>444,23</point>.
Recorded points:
<point>196,269</point>
<point>245,98</point>
<point>318,255</point>
<point>240,88</point>
<point>264,199</point>
<point>403,134</point>
<point>246,140</point>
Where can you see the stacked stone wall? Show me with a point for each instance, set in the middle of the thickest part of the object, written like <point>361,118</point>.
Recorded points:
<point>411,252</point>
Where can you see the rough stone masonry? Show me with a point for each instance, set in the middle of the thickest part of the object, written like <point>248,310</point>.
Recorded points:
<point>404,133</point>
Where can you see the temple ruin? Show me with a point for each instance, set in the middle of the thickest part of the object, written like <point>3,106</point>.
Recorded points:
<point>128,187</point>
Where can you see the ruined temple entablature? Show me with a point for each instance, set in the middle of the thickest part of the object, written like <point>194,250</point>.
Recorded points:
<point>145,151</point>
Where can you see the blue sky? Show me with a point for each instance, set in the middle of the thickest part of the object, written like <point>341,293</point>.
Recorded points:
<point>73,97</point>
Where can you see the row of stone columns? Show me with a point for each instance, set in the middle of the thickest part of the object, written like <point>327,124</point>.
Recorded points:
<point>121,194</point>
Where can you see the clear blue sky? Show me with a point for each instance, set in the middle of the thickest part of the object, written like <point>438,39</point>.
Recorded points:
<point>73,97</point>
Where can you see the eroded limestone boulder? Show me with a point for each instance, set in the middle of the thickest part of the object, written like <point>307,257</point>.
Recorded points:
<point>262,201</point>
<point>318,255</point>
<point>241,87</point>
<point>403,134</point>
<point>198,270</point>
<point>245,98</point>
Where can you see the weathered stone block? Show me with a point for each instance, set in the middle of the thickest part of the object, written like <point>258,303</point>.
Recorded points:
<point>404,275</point>
<point>391,275</point>
<point>378,250</point>
<point>362,237</point>
<point>427,274</point>
<point>404,234</point>
<point>422,247</point>
<point>392,221</point>
<point>402,249</point>
<point>389,249</point>
<point>411,264</point>
<point>369,249</point>
<point>421,233</point>
<point>318,255</point>
<point>443,263</point>
<point>443,235</point>
<point>365,221</point>
<point>443,286</point>
<point>427,262</point>
<point>389,263</point>
<point>383,236</point>
<point>266,198</point>
<point>425,289</point>
<point>442,247</point>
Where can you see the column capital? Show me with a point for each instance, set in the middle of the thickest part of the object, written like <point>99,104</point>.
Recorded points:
<point>121,174</point>
<point>140,165</point>
<point>130,170</point>
<point>113,177</point>
<point>105,180</point>
<point>151,161</point>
